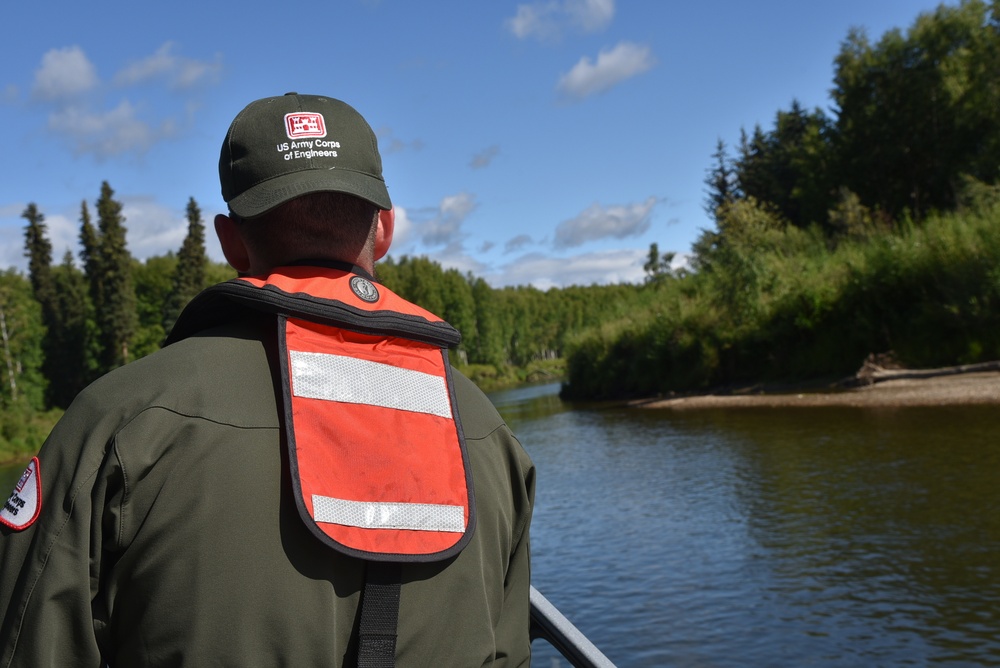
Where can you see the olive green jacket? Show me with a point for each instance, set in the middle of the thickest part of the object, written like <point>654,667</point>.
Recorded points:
<point>168,535</point>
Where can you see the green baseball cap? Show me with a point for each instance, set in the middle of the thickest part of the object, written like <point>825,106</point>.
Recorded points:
<point>281,147</point>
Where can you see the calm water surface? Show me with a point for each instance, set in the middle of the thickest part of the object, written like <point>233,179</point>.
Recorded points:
<point>834,537</point>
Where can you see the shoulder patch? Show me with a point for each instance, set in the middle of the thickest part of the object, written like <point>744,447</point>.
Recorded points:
<point>21,508</point>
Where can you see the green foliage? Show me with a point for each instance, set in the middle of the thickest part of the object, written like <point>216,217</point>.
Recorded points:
<point>189,276</point>
<point>115,304</point>
<point>70,360</point>
<point>777,303</point>
<point>38,250</point>
<point>917,110</point>
<point>720,181</point>
<point>506,329</point>
<point>23,430</point>
<point>788,166</point>
<point>658,267</point>
<point>22,383</point>
<point>154,281</point>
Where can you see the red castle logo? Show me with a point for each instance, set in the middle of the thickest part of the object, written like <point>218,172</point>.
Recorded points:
<point>304,124</point>
<point>24,479</point>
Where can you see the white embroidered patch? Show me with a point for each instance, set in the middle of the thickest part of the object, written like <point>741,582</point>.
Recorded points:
<point>22,507</point>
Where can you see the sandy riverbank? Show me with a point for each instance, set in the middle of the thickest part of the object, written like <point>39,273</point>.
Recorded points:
<point>946,388</point>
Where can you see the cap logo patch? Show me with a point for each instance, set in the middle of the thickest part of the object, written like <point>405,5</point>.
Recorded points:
<point>364,289</point>
<point>304,124</point>
<point>20,510</point>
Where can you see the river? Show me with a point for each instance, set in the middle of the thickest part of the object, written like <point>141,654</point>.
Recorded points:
<point>765,537</point>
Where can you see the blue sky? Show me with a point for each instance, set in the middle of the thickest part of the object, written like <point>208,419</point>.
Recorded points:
<point>545,143</point>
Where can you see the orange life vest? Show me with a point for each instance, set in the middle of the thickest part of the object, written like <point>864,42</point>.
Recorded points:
<point>379,465</point>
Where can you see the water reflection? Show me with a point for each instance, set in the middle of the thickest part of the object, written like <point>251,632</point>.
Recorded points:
<point>835,537</point>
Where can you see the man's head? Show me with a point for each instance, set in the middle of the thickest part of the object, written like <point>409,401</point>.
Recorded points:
<point>294,167</point>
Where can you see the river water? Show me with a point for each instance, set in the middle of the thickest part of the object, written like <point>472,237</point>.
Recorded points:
<point>764,537</point>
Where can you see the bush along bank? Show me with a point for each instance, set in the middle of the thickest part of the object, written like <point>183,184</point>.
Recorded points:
<point>772,302</point>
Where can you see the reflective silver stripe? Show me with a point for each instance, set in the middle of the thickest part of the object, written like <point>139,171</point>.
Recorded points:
<point>354,381</point>
<point>369,515</point>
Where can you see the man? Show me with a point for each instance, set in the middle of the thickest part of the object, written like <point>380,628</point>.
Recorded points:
<point>298,478</point>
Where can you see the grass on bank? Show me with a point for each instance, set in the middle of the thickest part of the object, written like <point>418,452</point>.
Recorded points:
<point>777,303</point>
<point>22,432</point>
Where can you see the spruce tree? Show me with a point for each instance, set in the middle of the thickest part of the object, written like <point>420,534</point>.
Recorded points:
<point>90,255</point>
<point>38,250</point>
<point>189,277</point>
<point>116,315</point>
<point>70,370</point>
<point>721,181</point>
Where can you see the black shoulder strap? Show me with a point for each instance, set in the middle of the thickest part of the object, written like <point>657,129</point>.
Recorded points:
<point>379,615</point>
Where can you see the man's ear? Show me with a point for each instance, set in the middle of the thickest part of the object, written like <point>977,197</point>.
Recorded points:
<point>383,235</point>
<point>232,244</point>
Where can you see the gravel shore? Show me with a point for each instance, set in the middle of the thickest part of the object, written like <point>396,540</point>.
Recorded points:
<point>935,390</point>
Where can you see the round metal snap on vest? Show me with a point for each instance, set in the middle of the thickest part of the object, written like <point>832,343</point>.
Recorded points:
<point>364,289</point>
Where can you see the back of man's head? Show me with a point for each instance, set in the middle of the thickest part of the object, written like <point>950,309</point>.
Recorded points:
<point>303,179</point>
<point>281,147</point>
<point>315,226</point>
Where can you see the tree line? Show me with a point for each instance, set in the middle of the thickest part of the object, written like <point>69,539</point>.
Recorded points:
<point>874,230</point>
<point>914,115</point>
<point>63,325</point>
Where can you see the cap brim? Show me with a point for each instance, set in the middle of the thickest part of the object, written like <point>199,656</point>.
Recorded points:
<point>266,195</point>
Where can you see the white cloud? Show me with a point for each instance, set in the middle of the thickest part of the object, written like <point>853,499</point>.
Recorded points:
<point>613,66</point>
<point>517,243</point>
<point>484,157</point>
<point>64,233</point>
<point>445,225</point>
<point>108,133</point>
<point>163,63</point>
<point>599,222</point>
<point>453,256</point>
<point>105,128</point>
<point>590,15</point>
<point>60,230</point>
<point>153,229</point>
<point>543,272</point>
<point>548,20</point>
<point>11,210</point>
<point>64,73</point>
<point>389,143</point>
<point>403,229</point>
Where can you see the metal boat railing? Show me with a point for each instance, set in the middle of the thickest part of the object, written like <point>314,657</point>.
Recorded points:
<point>548,624</point>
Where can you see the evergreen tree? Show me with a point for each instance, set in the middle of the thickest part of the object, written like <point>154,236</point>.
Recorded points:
<point>116,305</point>
<point>721,181</point>
<point>657,267</point>
<point>189,277</point>
<point>70,367</point>
<point>90,255</point>
<point>788,167</point>
<point>38,250</point>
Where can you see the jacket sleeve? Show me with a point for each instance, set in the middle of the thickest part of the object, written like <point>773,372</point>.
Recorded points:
<point>50,570</point>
